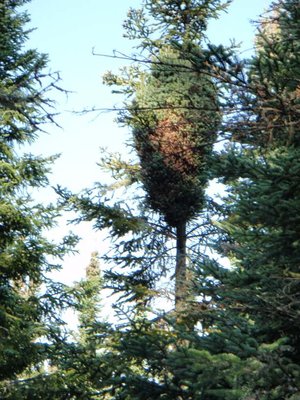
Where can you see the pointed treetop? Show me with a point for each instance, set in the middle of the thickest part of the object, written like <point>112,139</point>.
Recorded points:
<point>173,19</point>
<point>187,17</point>
<point>93,268</point>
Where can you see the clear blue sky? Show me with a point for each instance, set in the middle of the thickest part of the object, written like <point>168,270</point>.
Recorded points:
<point>67,30</point>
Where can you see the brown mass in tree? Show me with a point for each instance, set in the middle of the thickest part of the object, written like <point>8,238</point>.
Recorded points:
<point>171,168</point>
<point>172,139</point>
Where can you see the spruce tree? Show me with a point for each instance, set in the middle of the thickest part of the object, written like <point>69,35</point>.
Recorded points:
<point>88,303</point>
<point>174,117</point>
<point>173,112</point>
<point>174,140</point>
<point>30,301</point>
<point>260,293</point>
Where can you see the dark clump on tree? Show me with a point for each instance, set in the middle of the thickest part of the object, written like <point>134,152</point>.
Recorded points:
<point>174,132</point>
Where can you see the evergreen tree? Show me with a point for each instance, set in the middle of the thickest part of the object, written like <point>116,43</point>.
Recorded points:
<point>89,301</point>
<point>30,301</point>
<point>79,369</point>
<point>174,140</point>
<point>260,293</point>
<point>174,117</point>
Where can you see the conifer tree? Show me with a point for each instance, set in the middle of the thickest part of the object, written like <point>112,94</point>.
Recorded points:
<point>80,368</point>
<point>88,303</point>
<point>260,293</point>
<point>174,147</point>
<point>249,341</point>
<point>174,117</point>
<point>172,103</point>
<point>30,301</point>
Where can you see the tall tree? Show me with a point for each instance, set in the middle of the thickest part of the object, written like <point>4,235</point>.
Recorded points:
<point>29,300</point>
<point>174,139</point>
<point>260,293</point>
<point>174,117</point>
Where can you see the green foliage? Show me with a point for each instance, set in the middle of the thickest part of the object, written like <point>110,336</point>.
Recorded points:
<point>23,103</point>
<point>273,92</point>
<point>260,292</point>
<point>174,118</point>
<point>246,344</point>
<point>264,235</point>
<point>181,20</point>
<point>88,302</point>
<point>96,208</point>
<point>30,301</point>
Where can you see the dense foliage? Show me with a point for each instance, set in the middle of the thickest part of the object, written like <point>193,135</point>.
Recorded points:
<point>237,336</point>
<point>262,223</point>
<point>30,301</point>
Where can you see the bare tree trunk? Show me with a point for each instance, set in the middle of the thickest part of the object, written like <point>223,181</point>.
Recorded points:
<point>181,268</point>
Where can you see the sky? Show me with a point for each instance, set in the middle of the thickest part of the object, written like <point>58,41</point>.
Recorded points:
<point>68,31</point>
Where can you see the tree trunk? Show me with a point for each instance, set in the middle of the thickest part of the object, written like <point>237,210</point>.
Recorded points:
<point>180,270</point>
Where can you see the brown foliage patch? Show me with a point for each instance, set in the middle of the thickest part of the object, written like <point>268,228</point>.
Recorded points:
<point>174,140</point>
